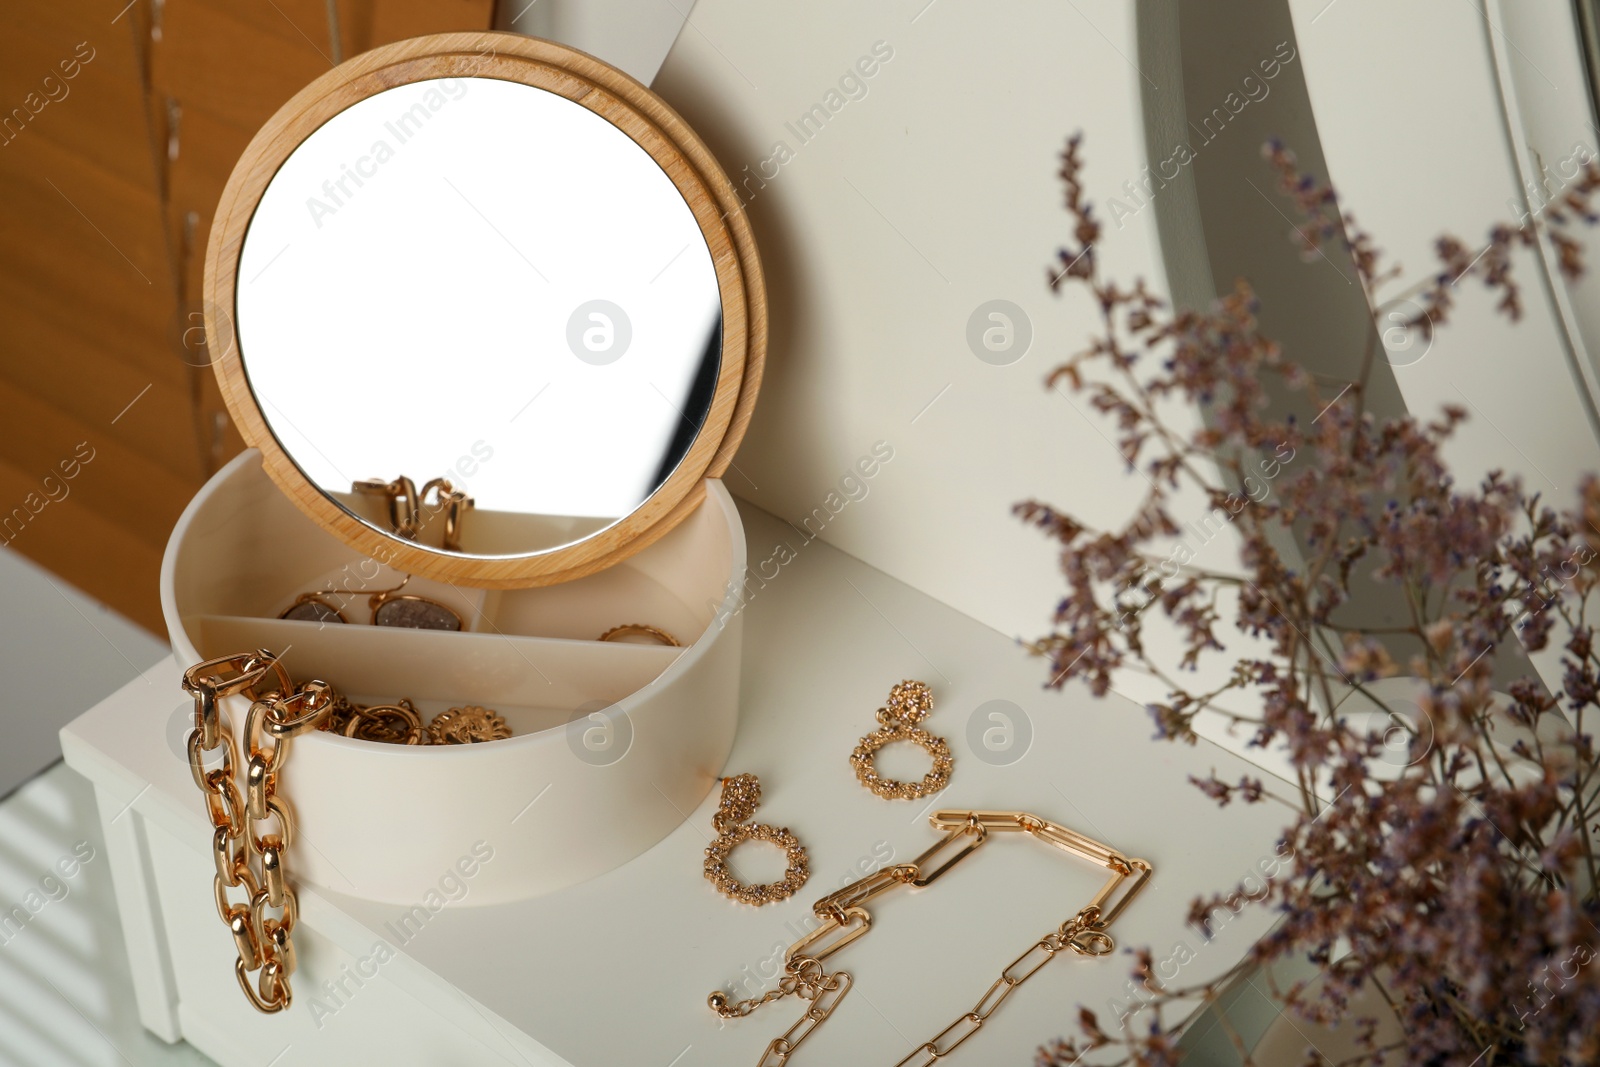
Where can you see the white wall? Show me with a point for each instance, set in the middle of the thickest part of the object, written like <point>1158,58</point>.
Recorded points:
<point>914,205</point>
<point>633,35</point>
<point>937,191</point>
<point>1409,106</point>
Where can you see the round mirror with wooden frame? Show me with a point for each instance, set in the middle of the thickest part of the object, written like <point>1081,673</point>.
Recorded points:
<point>488,307</point>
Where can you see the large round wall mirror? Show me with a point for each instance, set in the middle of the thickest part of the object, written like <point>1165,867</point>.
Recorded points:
<point>488,307</point>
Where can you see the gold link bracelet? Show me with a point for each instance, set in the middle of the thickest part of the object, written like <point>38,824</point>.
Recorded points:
<point>246,855</point>
<point>844,919</point>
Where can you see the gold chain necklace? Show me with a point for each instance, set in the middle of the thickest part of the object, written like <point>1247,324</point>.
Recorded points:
<point>243,856</point>
<point>844,918</point>
<point>263,923</point>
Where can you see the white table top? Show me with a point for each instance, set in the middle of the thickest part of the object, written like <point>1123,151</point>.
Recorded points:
<point>616,971</point>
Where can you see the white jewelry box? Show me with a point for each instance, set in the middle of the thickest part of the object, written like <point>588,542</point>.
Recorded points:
<point>620,736</point>
<point>601,512</point>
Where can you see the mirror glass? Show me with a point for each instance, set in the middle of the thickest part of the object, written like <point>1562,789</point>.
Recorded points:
<point>480,281</point>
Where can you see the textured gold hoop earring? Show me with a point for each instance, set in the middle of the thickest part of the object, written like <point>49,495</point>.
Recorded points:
<point>909,703</point>
<point>740,795</point>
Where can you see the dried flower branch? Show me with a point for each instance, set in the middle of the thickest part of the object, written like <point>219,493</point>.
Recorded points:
<point>1462,885</point>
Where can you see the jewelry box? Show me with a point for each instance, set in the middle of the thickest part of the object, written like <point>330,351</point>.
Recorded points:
<point>612,741</point>
<point>504,271</point>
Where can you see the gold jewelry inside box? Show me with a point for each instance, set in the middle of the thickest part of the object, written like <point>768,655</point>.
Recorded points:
<point>639,629</point>
<point>409,510</point>
<point>389,608</point>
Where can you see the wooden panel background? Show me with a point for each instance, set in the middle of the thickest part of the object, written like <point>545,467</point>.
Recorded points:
<point>108,180</point>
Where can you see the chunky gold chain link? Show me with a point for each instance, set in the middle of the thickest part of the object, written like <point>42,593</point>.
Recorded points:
<point>844,918</point>
<point>245,854</point>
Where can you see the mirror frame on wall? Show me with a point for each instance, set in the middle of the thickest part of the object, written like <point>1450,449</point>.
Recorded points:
<point>640,115</point>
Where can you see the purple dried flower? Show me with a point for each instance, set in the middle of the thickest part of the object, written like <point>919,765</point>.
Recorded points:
<point>1462,884</point>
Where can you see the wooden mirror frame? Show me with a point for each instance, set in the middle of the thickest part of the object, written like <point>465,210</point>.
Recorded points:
<point>651,124</point>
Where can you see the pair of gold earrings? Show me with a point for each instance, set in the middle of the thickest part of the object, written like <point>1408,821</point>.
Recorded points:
<point>908,704</point>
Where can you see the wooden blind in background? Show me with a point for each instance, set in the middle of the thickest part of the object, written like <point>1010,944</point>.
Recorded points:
<point>119,124</point>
